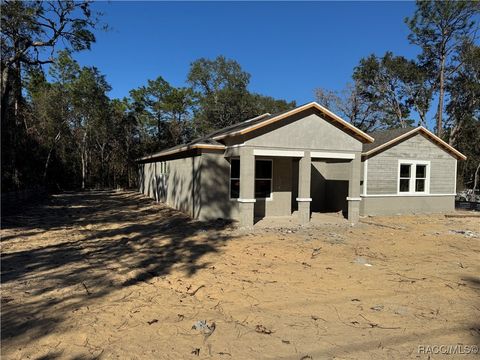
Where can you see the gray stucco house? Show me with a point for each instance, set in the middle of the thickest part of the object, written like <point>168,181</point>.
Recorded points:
<point>304,160</point>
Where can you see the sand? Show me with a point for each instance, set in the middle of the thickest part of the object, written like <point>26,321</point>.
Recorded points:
<point>111,274</point>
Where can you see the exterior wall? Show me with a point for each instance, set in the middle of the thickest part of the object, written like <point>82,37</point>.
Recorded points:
<point>174,182</point>
<point>200,186</point>
<point>215,189</point>
<point>280,203</point>
<point>397,205</point>
<point>329,187</point>
<point>382,172</point>
<point>310,133</point>
<point>382,198</point>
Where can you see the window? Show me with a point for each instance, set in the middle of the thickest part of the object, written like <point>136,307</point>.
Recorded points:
<point>235,179</point>
<point>405,174</point>
<point>413,177</point>
<point>263,179</point>
<point>420,177</point>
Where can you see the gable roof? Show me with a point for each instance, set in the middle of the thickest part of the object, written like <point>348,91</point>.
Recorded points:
<point>211,141</point>
<point>385,139</point>
<point>267,119</point>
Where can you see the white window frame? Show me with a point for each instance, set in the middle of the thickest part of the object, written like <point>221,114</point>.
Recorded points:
<point>230,181</point>
<point>413,175</point>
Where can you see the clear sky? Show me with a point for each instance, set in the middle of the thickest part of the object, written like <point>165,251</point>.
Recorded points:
<point>289,48</point>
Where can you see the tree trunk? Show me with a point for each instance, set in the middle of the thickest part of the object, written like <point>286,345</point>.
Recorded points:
<point>57,137</point>
<point>441,95</point>
<point>475,182</point>
<point>84,159</point>
<point>6,88</point>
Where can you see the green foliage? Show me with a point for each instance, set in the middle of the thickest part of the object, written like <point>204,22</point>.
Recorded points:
<point>165,111</point>
<point>463,110</point>
<point>440,28</point>
<point>223,99</point>
<point>394,87</point>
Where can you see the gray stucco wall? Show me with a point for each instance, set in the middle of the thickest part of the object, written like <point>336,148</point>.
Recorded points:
<point>329,187</point>
<point>397,205</point>
<point>174,182</point>
<point>215,188</point>
<point>280,203</point>
<point>311,133</point>
<point>382,172</point>
<point>200,186</point>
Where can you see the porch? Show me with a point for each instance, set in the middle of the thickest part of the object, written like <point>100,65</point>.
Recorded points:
<point>272,183</point>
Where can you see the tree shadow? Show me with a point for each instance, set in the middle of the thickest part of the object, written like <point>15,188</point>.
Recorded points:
<point>79,247</point>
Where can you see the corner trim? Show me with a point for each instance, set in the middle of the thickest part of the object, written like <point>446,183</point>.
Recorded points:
<point>246,200</point>
<point>304,199</point>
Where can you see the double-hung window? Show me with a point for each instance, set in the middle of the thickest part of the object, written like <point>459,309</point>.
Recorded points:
<point>263,179</point>
<point>413,177</point>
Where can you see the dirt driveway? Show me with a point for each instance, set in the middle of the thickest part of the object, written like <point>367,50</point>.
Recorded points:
<point>114,275</point>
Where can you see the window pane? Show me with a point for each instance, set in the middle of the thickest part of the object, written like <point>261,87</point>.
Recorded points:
<point>404,185</point>
<point>235,172</point>
<point>420,185</point>
<point>262,188</point>
<point>421,171</point>
<point>234,189</point>
<point>263,169</point>
<point>405,170</point>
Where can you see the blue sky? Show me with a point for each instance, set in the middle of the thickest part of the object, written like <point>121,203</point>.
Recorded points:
<point>289,48</point>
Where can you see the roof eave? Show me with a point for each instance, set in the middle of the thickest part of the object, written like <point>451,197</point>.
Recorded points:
<point>180,150</point>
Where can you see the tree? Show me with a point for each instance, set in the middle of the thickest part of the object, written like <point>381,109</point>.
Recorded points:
<point>90,110</point>
<point>463,111</point>
<point>221,89</point>
<point>223,98</point>
<point>350,105</point>
<point>32,30</point>
<point>30,33</point>
<point>440,28</point>
<point>261,104</point>
<point>166,108</point>
<point>379,82</point>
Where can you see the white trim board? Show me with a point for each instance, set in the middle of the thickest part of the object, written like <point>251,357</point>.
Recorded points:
<point>245,200</point>
<point>365,177</point>
<point>406,195</point>
<point>286,153</point>
<point>455,178</point>
<point>332,155</point>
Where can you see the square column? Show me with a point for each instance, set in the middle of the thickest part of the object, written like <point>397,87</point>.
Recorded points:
<point>354,198</point>
<point>304,179</point>
<point>247,188</point>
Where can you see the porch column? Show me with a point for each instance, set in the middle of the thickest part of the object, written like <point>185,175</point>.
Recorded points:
<point>247,187</point>
<point>353,198</point>
<point>304,178</point>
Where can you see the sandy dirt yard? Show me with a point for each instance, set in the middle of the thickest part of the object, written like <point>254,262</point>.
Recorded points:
<point>103,275</point>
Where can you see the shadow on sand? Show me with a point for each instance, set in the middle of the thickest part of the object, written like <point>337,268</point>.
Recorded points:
<point>78,247</point>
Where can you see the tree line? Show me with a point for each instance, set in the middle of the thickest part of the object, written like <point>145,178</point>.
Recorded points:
<point>61,129</point>
<point>392,91</point>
